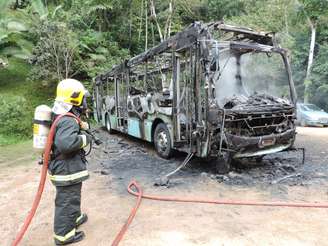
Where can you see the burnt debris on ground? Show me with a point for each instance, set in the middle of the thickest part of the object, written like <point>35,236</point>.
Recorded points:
<point>126,158</point>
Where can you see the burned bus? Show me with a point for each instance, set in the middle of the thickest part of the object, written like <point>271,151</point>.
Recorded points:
<point>218,91</point>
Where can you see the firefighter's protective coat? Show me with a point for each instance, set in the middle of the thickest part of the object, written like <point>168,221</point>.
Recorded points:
<point>68,165</point>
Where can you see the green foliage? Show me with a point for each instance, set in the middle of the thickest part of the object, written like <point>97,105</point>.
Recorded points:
<point>98,6</point>
<point>55,53</point>
<point>320,96</point>
<point>38,7</point>
<point>313,9</point>
<point>98,53</point>
<point>16,40</point>
<point>319,78</point>
<point>12,77</point>
<point>190,11</point>
<point>222,9</point>
<point>271,16</point>
<point>18,98</point>
<point>15,117</point>
<point>81,54</point>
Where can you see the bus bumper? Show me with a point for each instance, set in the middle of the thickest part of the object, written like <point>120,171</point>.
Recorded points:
<point>263,145</point>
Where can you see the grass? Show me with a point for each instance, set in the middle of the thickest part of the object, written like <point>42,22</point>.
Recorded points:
<point>13,84</point>
<point>17,153</point>
<point>8,140</point>
<point>13,78</point>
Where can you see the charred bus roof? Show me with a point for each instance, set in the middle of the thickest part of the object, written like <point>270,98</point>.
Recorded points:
<point>236,37</point>
<point>237,34</point>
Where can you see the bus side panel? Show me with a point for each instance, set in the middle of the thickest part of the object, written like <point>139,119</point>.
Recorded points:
<point>134,127</point>
<point>113,121</point>
<point>147,127</point>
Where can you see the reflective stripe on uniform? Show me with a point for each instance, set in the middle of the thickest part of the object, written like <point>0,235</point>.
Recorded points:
<point>79,218</point>
<point>66,237</point>
<point>70,177</point>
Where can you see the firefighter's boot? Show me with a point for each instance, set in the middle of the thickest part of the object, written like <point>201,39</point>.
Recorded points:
<point>81,220</point>
<point>79,236</point>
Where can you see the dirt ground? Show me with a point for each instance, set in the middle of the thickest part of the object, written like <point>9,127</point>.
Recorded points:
<point>280,177</point>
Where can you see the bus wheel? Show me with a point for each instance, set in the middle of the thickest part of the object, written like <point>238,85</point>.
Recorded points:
<point>108,126</point>
<point>223,163</point>
<point>162,140</point>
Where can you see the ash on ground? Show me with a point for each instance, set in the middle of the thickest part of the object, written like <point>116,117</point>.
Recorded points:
<point>127,158</point>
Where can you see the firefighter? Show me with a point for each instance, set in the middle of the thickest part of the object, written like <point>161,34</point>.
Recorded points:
<point>68,166</point>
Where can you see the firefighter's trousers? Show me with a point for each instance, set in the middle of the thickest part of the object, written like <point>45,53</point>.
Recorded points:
<point>67,210</point>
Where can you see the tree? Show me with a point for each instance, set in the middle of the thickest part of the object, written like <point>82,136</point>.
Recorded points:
<point>74,42</point>
<point>55,51</point>
<point>319,76</point>
<point>221,9</point>
<point>312,11</point>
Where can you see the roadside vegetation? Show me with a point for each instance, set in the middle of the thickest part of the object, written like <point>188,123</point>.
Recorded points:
<point>18,97</point>
<point>44,41</point>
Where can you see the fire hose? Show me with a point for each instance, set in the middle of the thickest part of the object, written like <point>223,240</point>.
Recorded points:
<point>135,190</point>
<point>37,198</point>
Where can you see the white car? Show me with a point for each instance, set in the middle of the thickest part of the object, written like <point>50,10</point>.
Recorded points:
<point>311,115</point>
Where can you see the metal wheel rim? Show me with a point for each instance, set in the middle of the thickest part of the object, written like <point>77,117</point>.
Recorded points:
<point>162,141</point>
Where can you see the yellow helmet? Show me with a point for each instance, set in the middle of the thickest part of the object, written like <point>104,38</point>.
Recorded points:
<point>70,91</point>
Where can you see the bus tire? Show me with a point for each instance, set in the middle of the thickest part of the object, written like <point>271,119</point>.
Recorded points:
<point>223,163</point>
<point>108,126</point>
<point>162,141</point>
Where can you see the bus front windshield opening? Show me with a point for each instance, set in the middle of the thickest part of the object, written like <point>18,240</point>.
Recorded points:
<point>251,73</point>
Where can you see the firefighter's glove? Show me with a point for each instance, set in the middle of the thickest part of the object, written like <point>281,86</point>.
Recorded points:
<point>86,139</point>
<point>84,125</point>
